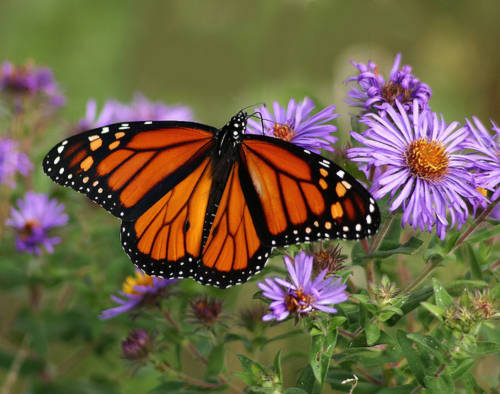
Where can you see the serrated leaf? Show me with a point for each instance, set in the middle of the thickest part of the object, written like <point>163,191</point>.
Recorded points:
<point>443,299</point>
<point>215,361</point>
<point>411,356</point>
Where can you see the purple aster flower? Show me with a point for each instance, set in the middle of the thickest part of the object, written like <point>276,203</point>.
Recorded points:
<point>302,295</point>
<point>372,93</point>
<point>485,155</point>
<point>11,161</point>
<point>138,291</point>
<point>137,346</point>
<point>28,79</point>
<point>36,216</point>
<point>140,109</point>
<point>424,170</point>
<point>295,124</point>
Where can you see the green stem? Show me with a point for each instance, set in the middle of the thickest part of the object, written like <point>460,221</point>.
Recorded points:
<point>377,241</point>
<point>474,225</point>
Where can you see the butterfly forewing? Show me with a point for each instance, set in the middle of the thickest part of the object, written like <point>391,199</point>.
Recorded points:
<point>305,197</point>
<point>126,167</point>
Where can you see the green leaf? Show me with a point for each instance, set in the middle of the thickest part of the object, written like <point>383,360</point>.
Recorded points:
<point>215,361</point>
<point>307,381</point>
<point>407,248</point>
<point>294,390</point>
<point>277,365</point>
<point>462,368</point>
<point>475,267</point>
<point>439,385</point>
<point>405,389</point>
<point>471,385</point>
<point>372,330</point>
<point>411,356</point>
<point>443,299</point>
<point>434,309</point>
<point>483,348</point>
<point>430,343</point>
<point>483,234</point>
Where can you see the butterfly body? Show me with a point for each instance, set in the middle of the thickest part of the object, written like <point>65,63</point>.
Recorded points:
<point>207,203</point>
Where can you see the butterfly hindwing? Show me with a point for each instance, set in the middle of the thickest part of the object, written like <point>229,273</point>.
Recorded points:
<point>126,167</point>
<point>166,239</point>
<point>233,251</point>
<point>305,197</point>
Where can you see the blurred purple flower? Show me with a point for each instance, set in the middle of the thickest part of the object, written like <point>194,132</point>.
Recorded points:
<point>12,160</point>
<point>372,93</point>
<point>295,124</point>
<point>302,295</point>
<point>137,346</point>
<point>485,155</point>
<point>140,109</point>
<point>36,216</point>
<point>28,79</point>
<point>425,172</point>
<point>138,291</point>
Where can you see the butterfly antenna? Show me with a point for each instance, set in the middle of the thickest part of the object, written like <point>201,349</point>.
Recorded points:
<point>257,114</point>
<point>253,105</point>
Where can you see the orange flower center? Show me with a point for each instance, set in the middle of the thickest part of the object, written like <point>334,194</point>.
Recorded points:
<point>297,301</point>
<point>392,91</point>
<point>27,230</point>
<point>140,279</point>
<point>283,131</point>
<point>427,159</point>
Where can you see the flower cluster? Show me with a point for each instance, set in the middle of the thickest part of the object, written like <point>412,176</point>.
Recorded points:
<point>302,295</point>
<point>425,171</point>
<point>373,93</point>
<point>35,217</point>
<point>140,109</point>
<point>485,156</point>
<point>30,80</point>
<point>12,160</point>
<point>295,124</point>
<point>138,291</point>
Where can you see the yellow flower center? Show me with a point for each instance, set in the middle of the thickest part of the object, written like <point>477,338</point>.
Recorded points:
<point>483,191</point>
<point>427,159</point>
<point>140,279</point>
<point>283,131</point>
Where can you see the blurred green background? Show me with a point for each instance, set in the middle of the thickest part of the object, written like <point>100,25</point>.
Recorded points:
<point>217,57</point>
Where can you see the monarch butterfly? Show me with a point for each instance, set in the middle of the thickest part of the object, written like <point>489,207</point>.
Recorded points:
<point>207,203</point>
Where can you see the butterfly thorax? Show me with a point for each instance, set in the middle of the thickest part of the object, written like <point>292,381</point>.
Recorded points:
<point>229,136</point>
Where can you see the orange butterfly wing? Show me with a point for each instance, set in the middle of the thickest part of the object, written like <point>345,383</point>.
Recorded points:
<point>233,250</point>
<point>304,197</point>
<point>126,167</point>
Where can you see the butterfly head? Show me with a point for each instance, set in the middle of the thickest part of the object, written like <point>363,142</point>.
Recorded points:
<point>237,125</point>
